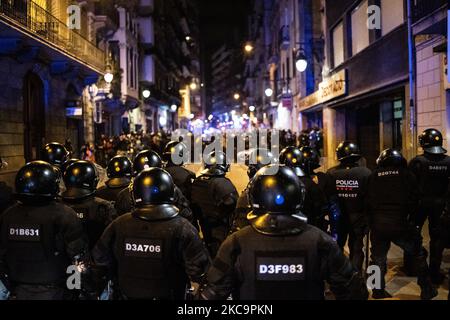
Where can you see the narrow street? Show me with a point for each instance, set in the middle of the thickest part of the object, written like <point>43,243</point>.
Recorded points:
<point>400,286</point>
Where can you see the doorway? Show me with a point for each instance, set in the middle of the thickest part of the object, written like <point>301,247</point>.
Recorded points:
<point>33,117</point>
<point>363,127</point>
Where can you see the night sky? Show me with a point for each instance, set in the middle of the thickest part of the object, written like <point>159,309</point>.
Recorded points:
<point>223,21</point>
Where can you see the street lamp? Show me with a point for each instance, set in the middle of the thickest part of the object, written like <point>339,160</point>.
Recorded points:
<point>268,92</point>
<point>193,86</point>
<point>146,93</point>
<point>191,116</point>
<point>188,38</point>
<point>252,108</point>
<point>248,47</point>
<point>109,77</point>
<point>173,108</point>
<point>237,96</point>
<point>301,63</point>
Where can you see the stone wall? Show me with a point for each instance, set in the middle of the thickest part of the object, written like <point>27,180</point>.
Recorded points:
<point>12,75</point>
<point>431,94</point>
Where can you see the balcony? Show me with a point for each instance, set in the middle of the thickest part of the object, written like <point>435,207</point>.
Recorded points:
<point>423,8</point>
<point>430,17</point>
<point>34,21</point>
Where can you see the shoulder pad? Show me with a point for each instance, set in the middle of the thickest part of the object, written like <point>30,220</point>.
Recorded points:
<point>156,212</point>
<point>278,225</point>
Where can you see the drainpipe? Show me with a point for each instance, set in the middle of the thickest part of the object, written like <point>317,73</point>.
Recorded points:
<point>411,49</point>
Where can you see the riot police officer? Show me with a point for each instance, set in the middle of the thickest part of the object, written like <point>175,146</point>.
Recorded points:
<point>55,153</point>
<point>303,139</point>
<point>350,181</point>
<point>444,240</point>
<point>393,197</point>
<point>314,204</point>
<point>257,159</point>
<point>432,170</point>
<point>39,237</point>
<point>144,160</point>
<point>152,251</point>
<point>120,172</point>
<point>96,214</point>
<point>280,256</point>
<point>316,139</point>
<point>6,198</point>
<point>214,200</point>
<point>174,155</point>
<point>310,161</point>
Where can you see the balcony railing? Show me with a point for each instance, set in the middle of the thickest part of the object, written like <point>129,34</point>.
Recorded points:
<point>423,8</point>
<point>39,22</point>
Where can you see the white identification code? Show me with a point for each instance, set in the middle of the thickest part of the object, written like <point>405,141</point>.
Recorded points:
<point>24,232</point>
<point>143,248</point>
<point>281,269</point>
<point>133,247</point>
<point>287,266</point>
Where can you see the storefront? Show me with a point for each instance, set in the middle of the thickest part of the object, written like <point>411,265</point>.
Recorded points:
<point>373,119</point>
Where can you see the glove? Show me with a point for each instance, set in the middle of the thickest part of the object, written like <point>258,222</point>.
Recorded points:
<point>107,294</point>
<point>4,292</point>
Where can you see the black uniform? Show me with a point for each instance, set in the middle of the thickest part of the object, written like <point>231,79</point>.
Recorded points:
<point>315,207</point>
<point>124,203</point>
<point>351,187</point>
<point>213,202</point>
<point>95,214</point>
<point>37,245</point>
<point>182,178</point>
<point>432,172</point>
<point>6,199</point>
<point>393,201</point>
<point>326,184</point>
<point>257,264</point>
<point>110,194</point>
<point>152,252</point>
<point>444,239</point>
<point>243,208</point>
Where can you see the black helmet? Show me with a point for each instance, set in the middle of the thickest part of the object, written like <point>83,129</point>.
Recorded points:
<point>153,194</point>
<point>310,159</point>
<point>431,141</point>
<point>303,139</point>
<point>119,171</point>
<point>66,164</point>
<point>259,158</point>
<point>55,153</point>
<point>215,164</point>
<point>80,179</point>
<point>316,138</point>
<point>37,181</point>
<point>146,159</point>
<point>292,157</point>
<point>174,150</point>
<point>275,194</point>
<point>348,150</point>
<point>391,158</point>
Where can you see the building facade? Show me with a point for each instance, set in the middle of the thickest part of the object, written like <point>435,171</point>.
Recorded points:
<point>364,95</point>
<point>46,68</point>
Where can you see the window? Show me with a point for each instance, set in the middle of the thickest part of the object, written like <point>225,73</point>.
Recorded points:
<point>392,15</point>
<point>360,31</point>
<point>338,44</point>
